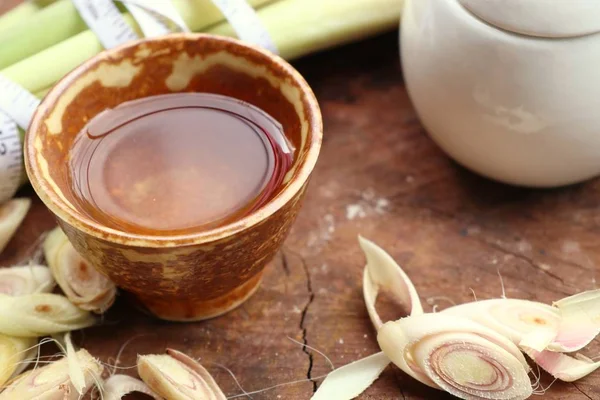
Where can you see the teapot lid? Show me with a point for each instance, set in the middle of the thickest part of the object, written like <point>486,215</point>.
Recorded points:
<point>542,18</point>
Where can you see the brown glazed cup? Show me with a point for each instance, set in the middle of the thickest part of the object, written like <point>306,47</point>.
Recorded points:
<point>181,277</point>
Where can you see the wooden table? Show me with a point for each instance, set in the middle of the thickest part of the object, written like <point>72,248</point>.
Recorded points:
<point>380,176</point>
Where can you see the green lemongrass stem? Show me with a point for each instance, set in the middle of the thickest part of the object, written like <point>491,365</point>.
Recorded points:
<point>20,14</point>
<point>176,376</point>
<point>14,351</point>
<point>53,380</point>
<point>55,23</point>
<point>27,279</point>
<point>40,314</point>
<point>45,68</point>
<point>457,355</point>
<point>117,386</point>
<point>300,27</point>
<point>382,272</point>
<point>34,37</point>
<point>81,283</point>
<point>351,380</point>
<point>12,214</point>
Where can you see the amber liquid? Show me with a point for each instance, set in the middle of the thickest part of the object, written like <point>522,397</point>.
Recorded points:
<point>177,163</point>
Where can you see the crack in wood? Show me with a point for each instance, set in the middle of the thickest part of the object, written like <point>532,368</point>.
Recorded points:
<point>581,391</point>
<point>284,262</point>
<point>311,297</point>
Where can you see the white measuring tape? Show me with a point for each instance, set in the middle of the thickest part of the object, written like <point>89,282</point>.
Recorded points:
<point>17,106</point>
<point>155,18</point>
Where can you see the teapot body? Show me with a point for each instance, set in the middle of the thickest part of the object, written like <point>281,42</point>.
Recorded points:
<point>520,109</point>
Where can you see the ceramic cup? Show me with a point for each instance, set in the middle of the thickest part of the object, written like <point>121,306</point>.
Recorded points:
<point>192,276</point>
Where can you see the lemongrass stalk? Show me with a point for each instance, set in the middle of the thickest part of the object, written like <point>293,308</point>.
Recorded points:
<point>516,319</point>
<point>382,272</point>
<point>14,351</point>
<point>176,376</point>
<point>20,13</point>
<point>55,23</point>
<point>580,321</point>
<point>34,36</point>
<point>300,27</point>
<point>457,355</point>
<point>12,214</point>
<point>23,280</point>
<point>117,386</point>
<point>45,68</point>
<point>53,380</point>
<point>40,314</point>
<point>81,283</point>
<point>562,366</point>
<point>351,380</point>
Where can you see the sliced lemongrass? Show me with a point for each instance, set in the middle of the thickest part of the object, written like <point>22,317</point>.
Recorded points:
<point>580,321</point>
<point>351,380</point>
<point>513,318</point>
<point>14,351</point>
<point>117,386</point>
<point>40,314</point>
<point>12,214</point>
<point>75,370</point>
<point>28,279</point>
<point>53,380</point>
<point>457,355</point>
<point>82,284</point>
<point>382,272</point>
<point>176,376</point>
<point>562,366</point>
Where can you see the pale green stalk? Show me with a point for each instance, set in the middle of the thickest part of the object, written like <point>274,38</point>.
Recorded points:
<point>301,27</point>
<point>44,69</point>
<point>53,24</point>
<point>20,13</point>
<point>61,21</point>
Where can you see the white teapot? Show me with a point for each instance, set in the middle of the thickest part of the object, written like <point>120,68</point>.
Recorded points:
<point>508,88</point>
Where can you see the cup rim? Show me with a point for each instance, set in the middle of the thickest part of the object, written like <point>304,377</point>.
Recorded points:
<point>90,227</point>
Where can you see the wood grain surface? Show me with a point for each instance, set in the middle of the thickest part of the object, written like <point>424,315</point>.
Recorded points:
<point>380,176</point>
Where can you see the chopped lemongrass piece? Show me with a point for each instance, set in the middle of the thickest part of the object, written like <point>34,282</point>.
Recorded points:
<point>580,321</point>
<point>513,318</point>
<point>82,284</point>
<point>351,380</point>
<point>457,355</point>
<point>53,380</point>
<point>118,386</point>
<point>14,351</point>
<point>40,314</point>
<point>382,272</point>
<point>12,214</point>
<point>28,279</point>
<point>176,376</point>
<point>75,370</point>
<point>562,366</point>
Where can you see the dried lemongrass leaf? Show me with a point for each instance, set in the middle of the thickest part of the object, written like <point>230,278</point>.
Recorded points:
<point>562,366</point>
<point>40,314</point>
<point>117,386</point>
<point>82,284</point>
<point>457,355</point>
<point>14,351</point>
<point>28,279</point>
<point>382,272</point>
<point>176,376</point>
<point>580,321</point>
<point>12,214</point>
<point>52,382</point>
<point>351,380</point>
<point>513,318</point>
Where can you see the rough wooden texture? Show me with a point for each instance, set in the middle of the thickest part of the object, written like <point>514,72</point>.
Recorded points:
<point>379,175</point>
